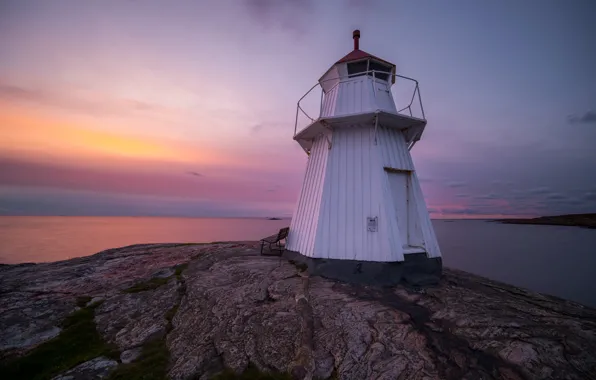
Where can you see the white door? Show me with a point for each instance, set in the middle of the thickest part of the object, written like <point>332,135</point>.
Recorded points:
<point>398,184</point>
<point>383,96</point>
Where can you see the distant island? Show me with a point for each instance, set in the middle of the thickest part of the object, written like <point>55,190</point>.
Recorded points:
<point>578,220</point>
<point>273,218</point>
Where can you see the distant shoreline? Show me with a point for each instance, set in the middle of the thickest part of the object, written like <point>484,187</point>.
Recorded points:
<point>574,220</point>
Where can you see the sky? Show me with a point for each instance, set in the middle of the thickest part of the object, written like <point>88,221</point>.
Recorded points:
<point>187,108</point>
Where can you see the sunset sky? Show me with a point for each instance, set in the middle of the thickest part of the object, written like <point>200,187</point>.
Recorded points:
<point>187,107</point>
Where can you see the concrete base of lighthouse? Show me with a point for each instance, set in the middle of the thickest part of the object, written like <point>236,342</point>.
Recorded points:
<point>416,270</point>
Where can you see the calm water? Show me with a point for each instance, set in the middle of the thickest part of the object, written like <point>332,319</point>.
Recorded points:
<point>549,259</point>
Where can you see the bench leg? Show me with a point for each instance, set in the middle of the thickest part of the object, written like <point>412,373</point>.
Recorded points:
<point>262,245</point>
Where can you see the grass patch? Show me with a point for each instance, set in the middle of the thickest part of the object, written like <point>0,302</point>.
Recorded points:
<point>169,315</point>
<point>179,269</point>
<point>78,342</point>
<point>154,360</point>
<point>151,284</point>
<point>300,266</point>
<point>151,365</point>
<point>83,301</point>
<point>251,373</point>
<point>156,282</point>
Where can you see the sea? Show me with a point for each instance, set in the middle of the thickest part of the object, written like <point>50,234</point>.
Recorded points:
<point>556,260</point>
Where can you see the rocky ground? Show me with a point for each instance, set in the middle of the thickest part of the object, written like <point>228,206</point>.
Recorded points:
<point>220,310</point>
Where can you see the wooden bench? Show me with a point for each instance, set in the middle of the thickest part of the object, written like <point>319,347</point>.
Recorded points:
<point>275,240</point>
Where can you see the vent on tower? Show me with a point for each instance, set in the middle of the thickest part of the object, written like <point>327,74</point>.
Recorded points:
<point>356,37</point>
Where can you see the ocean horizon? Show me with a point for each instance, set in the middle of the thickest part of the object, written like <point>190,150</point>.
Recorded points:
<point>555,260</point>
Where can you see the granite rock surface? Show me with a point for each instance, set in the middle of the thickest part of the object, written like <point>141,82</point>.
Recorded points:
<point>230,308</point>
<point>98,368</point>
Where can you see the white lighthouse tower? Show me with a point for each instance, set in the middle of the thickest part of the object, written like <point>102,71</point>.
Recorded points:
<point>361,198</point>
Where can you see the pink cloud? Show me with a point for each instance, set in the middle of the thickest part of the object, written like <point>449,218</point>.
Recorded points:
<point>178,183</point>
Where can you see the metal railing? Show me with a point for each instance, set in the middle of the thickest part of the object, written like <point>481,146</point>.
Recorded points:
<point>408,107</point>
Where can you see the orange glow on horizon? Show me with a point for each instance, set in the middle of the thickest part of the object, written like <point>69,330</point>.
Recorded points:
<point>20,131</point>
<point>26,133</point>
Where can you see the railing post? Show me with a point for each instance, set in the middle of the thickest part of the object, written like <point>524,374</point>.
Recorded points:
<point>420,100</point>
<point>321,107</point>
<point>296,123</point>
<point>376,125</point>
<point>374,89</point>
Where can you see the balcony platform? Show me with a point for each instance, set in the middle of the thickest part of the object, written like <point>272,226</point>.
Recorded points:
<point>411,126</point>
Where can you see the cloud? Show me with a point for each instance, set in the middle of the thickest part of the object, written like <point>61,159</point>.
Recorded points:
<point>273,189</point>
<point>51,201</point>
<point>555,196</point>
<point>518,195</point>
<point>256,128</point>
<point>488,196</point>
<point>273,129</point>
<point>15,92</point>
<point>289,15</point>
<point>426,180</point>
<point>87,103</point>
<point>540,190</point>
<point>362,5</point>
<point>587,118</point>
<point>573,201</point>
<point>456,184</point>
<point>497,182</point>
<point>150,183</point>
<point>478,210</point>
<point>195,174</point>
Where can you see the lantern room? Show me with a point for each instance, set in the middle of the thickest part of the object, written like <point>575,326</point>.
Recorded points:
<point>359,82</point>
<point>358,89</point>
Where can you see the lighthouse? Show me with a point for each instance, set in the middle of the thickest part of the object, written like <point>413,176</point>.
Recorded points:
<point>361,199</point>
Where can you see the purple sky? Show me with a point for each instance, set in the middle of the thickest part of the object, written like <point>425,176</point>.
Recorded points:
<point>187,107</point>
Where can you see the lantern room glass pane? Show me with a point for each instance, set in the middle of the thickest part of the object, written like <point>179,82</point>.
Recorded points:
<point>377,66</point>
<point>357,68</point>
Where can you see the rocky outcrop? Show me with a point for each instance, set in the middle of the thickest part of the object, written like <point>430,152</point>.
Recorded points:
<point>98,368</point>
<point>230,308</point>
<point>130,319</point>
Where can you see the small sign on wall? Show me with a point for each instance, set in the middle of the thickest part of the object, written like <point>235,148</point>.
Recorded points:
<point>371,224</point>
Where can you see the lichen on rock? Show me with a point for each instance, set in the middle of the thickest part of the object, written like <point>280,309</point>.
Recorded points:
<point>221,309</point>
<point>98,368</point>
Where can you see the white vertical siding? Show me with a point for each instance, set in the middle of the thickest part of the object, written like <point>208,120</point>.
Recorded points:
<point>426,227</point>
<point>353,191</point>
<point>301,237</point>
<point>329,101</point>
<point>396,155</point>
<point>329,79</point>
<point>394,149</point>
<point>383,96</point>
<point>393,235</point>
<point>346,184</point>
<point>354,96</point>
<point>360,94</point>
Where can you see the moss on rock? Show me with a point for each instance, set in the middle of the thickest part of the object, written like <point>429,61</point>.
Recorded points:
<point>78,342</point>
<point>251,373</point>
<point>151,284</point>
<point>151,365</point>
